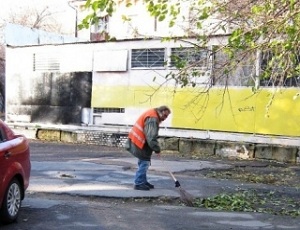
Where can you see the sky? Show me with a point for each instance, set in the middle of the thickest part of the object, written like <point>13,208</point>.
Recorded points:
<point>62,10</point>
<point>7,4</point>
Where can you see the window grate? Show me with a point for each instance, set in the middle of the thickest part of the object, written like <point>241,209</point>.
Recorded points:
<point>45,62</point>
<point>189,55</point>
<point>147,58</point>
<point>109,110</point>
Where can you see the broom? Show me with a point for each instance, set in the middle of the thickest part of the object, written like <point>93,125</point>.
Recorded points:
<point>185,197</point>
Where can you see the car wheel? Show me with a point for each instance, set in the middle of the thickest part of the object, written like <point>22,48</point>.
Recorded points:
<point>11,203</point>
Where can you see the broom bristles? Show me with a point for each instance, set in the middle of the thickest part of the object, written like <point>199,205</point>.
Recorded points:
<point>186,197</point>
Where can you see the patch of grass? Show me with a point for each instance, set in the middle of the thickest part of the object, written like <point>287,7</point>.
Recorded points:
<point>252,201</point>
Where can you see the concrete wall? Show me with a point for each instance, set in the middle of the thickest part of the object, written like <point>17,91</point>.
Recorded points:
<point>187,147</point>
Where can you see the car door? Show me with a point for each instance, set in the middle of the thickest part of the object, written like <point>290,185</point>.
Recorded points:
<point>4,163</point>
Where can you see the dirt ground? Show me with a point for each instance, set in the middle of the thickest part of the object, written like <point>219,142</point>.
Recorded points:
<point>256,171</point>
<point>281,198</point>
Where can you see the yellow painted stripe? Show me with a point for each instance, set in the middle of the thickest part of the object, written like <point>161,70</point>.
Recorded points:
<point>232,110</point>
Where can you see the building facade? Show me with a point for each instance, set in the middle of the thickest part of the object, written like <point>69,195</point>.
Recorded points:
<point>102,83</point>
<point>111,83</point>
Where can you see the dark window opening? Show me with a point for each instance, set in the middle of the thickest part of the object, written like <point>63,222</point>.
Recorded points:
<point>277,75</point>
<point>189,56</point>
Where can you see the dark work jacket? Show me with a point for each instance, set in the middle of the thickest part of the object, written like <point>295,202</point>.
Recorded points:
<point>151,129</point>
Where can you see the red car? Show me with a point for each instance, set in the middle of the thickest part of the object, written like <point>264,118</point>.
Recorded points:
<point>15,169</point>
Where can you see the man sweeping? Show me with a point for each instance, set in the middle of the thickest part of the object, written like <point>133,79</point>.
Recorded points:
<point>143,141</point>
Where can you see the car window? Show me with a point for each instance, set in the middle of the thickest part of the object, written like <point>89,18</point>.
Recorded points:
<point>2,135</point>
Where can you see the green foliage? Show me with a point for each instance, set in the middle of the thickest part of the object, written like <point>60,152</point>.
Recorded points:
<point>230,202</point>
<point>251,26</point>
<point>252,201</point>
<point>274,202</point>
<point>96,6</point>
<point>162,9</point>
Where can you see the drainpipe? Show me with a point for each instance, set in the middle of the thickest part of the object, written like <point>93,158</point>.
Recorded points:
<point>76,16</point>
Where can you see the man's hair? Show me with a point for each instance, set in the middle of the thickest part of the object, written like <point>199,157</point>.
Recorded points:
<point>163,108</point>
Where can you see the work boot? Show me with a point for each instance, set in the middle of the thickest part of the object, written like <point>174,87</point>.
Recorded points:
<point>151,186</point>
<point>141,187</point>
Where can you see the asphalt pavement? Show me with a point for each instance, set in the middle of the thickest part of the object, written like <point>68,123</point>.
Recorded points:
<point>77,171</point>
<point>112,177</point>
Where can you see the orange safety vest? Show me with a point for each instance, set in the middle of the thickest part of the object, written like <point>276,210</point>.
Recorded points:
<point>136,134</point>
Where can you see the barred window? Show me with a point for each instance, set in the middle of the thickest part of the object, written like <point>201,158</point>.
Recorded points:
<point>278,75</point>
<point>147,58</point>
<point>189,55</point>
<point>109,110</point>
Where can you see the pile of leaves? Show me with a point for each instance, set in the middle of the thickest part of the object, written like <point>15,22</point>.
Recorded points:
<point>252,201</point>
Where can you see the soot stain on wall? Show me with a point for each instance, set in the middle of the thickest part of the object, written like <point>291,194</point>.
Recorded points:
<point>58,98</point>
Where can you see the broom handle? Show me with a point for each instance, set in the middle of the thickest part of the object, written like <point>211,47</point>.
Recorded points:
<point>167,167</point>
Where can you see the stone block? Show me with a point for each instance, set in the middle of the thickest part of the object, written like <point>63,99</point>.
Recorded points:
<point>161,142</point>
<point>234,150</point>
<point>81,137</point>
<point>48,134</point>
<point>285,154</point>
<point>263,152</point>
<point>171,144</point>
<point>69,137</point>
<point>204,147</point>
<point>28,133</point>
<point>277,153</point>
<point>185,147</point>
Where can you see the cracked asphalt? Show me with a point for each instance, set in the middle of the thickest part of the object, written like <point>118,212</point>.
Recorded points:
<point>109,172</point>
<point>88,186</point>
